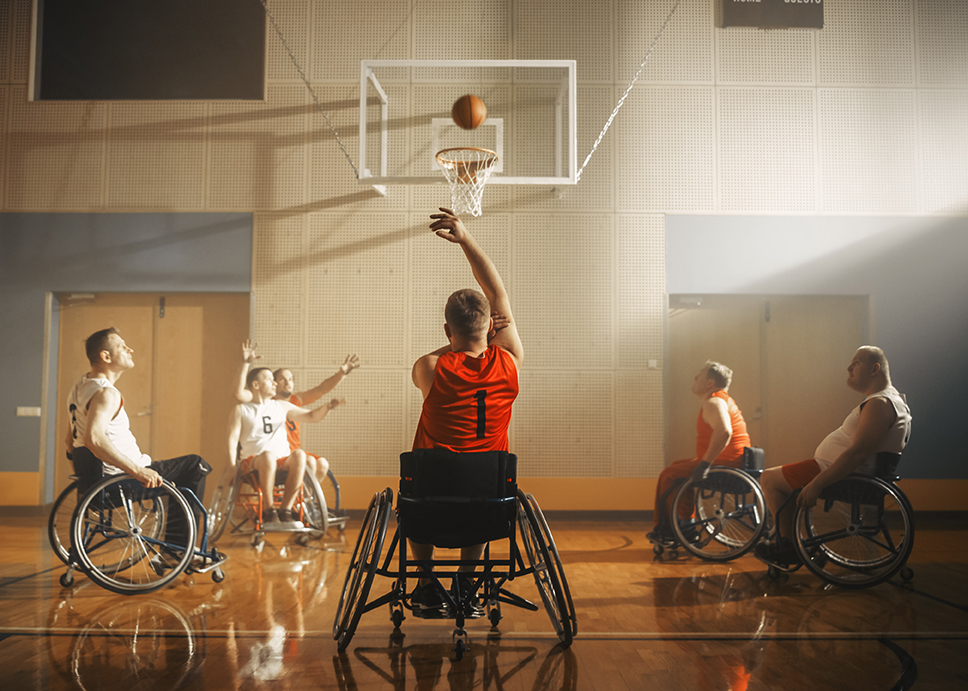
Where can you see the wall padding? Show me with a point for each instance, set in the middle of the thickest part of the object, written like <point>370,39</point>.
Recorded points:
<point>754,56</point>
<point>639,424</point>
<point>942,29</point>
<point>279,288</point>
<point>867,43</point>
<point>944,150</point>
<point>156,155</point>
<point>767,150</point>
<point>665,150</point>
<point>868,151</point>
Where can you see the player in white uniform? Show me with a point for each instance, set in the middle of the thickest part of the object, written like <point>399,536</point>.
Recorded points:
<point>260,428</point>
<point>100,440</point>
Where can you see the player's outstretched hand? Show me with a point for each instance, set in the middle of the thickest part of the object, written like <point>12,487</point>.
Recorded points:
<point>336,403</point>
<point>350,363</point>
<point>248,352</point>
<point>446,225</point>
<point>498,322</point>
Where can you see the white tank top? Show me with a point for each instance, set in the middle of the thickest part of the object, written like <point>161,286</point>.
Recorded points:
<point>264,429</point>
<point>119,429</point>
<point>841,438</point>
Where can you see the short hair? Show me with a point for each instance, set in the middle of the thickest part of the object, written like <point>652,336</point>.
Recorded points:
<point>721,375</point>
<point>467,313</point>
<point>875,355</point>
<point>276,373</point>
<point>253,373</point>
<point>97,342</point>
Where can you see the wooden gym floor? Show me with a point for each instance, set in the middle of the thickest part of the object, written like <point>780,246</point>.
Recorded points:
<point>682,624</point>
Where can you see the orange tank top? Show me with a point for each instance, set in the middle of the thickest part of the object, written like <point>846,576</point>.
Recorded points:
<point>469,405</point>
<point>292,428</point>
<point>739,440</point>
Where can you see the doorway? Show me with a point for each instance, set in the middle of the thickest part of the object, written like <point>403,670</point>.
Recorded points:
<point>186,352</point>
<point>789,356</point>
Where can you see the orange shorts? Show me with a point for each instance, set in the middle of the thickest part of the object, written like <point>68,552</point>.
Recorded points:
<point>800,474</point>
<point>247,463</point>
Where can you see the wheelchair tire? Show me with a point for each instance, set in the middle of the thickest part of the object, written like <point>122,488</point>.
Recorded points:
<point>860,532</point>
<point>116,535</point>
<point>363,566</point>
<point>222,506</point>
<point>729,515</point>
<point>59,522</point>
<point>549,576</point>
<point>315,511</point>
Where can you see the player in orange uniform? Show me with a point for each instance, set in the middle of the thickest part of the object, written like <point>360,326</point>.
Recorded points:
<point>468,385</point>
<point>720,439</point>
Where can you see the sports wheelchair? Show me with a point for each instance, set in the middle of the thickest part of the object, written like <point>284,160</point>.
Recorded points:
<point>316,514</point>
<point>128,538</point>
<point>456,500</point>
<point>860,532</point>
<point>726,512</point>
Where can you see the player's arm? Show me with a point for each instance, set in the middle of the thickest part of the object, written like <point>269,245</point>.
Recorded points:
<point>241,392</point>
<point>876,417</point>
<point>104,405</point>
<point>424,368</point>
<point>715,413</point>
<point>446,225</point>
<point>235,433</point>
<point>349,364</point>
<point>297,414</point>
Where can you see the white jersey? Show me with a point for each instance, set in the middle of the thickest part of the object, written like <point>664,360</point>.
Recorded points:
<point>119,429</point>
<point>264,429</point>
<point>841,438</point>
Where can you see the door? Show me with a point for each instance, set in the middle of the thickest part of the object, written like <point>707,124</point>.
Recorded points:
<point>789,357</point>
<point>186,354</point>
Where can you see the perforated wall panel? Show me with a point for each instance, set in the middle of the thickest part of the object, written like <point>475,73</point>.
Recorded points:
<point>376,29</point>
<point>259,151</point>
<point>292,17</point>
<point>665,150</point>
<point>868,151</point>
<point>279,288</point>
<point>585,37</point>
<point>4,116</point>
<point>564,288</point>
<point>356,288</point>
<point>754,56</point>
<point>5,11</point>
<point>944,150</point>
<point>942,27</point>
<point>20,41</point>
<point>332,182</point>
<point>438,268</point>
<point>478,30</point>
<point>640,290</point>
<point>684,53</point>
<point>767,150</point>
<point>639,424</point>
<point>867,43</point>
<point>156,155</point>
<point>563,423</point>
<point>367,435</point>
<point>55,155</point>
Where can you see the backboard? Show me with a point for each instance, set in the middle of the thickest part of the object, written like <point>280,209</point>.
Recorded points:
<point>405,119</point>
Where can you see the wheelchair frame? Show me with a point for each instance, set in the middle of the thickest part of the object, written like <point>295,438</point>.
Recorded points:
<point>316,516</point>
<point>544,564</point>
<point>115,531</point>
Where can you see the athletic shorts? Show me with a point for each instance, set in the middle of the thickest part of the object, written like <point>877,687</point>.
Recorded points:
<point>800,474</point>
<point>247,463</point>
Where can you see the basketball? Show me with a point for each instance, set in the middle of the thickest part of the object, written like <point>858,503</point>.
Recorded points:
<point>468,112</point>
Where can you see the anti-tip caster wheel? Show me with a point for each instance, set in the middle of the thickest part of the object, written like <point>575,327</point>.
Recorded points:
<point>907,573</point>
<point>218,575</point>
<point>302,540</point>
<point>66,580</point>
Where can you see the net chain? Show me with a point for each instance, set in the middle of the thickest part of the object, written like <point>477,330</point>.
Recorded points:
<point>302,75</point>
<point>627,90</point>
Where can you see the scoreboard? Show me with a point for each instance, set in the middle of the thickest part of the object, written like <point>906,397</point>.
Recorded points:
<point>770,14</point>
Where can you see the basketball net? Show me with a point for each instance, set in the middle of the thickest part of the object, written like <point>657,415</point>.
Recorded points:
<point>467,170</point>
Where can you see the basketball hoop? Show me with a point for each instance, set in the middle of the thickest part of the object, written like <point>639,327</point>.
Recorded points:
<point>467,170</point>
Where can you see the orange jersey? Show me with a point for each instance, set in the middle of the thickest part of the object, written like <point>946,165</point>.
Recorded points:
<point>469,405</point>
<point>739,440</point>
<point>292,428</point>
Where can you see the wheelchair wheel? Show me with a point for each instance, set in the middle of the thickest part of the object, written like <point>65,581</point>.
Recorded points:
<point>59,523</point>
<point>859,534</point>
<point>315,511</point>
<point>222,506</point>
<point>363,566</point>
<point>549,575</point>
<point>116,535</point>
<point>728,514</point>
<point>331,493</point>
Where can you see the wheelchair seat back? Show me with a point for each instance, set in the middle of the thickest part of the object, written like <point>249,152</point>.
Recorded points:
<point>453,499</point>
<point>754,459</point>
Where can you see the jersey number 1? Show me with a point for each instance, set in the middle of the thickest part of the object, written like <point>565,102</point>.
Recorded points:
<point>481,413</point>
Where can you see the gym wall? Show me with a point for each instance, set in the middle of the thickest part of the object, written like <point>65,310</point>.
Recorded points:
<point>867,117</point>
